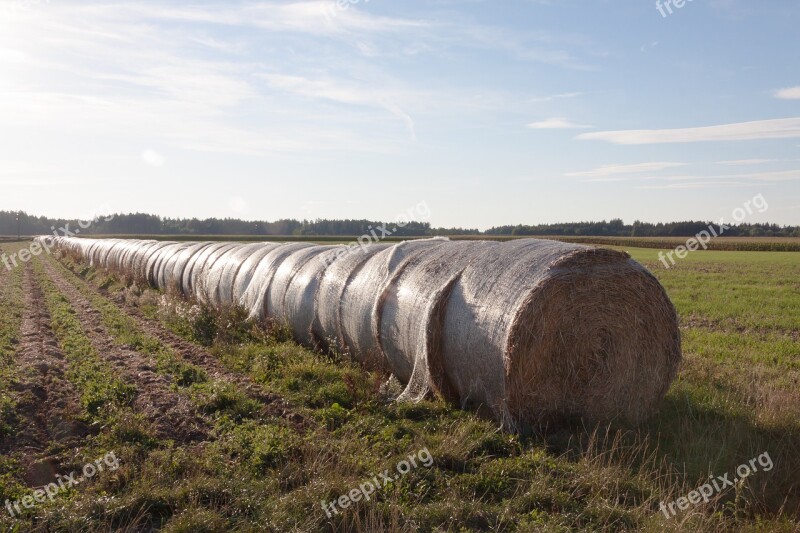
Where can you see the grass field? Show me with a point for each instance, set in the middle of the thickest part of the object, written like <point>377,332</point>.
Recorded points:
<point>220,425</point>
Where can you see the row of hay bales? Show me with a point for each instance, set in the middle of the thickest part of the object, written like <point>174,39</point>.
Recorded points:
<point>526,331</point>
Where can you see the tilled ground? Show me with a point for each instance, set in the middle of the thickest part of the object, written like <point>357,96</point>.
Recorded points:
<point>274,404</point>
<point>47,408</point>
<point>172,414</point>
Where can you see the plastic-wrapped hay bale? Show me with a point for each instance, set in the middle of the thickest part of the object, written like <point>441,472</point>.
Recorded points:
<point>158,262</point>
<point>173,269</point>
<point>223,294</point>
<point>244,275</point>
<point>255,296</point>
<point>276,305</point>
<point>156,259</point>
<point>201,284</point>
<point>409,314</point>
<point>535,330</point>
<point>102,251</point>
<point>360,298</point>
<point>301,295</point>
<point>141,260</point>
<point>194,268</point>
<point>215,265</point>
<point>328,326</point>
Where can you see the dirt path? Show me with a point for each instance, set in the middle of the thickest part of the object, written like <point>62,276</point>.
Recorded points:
<point>173,415</point>
<point>47,404</point>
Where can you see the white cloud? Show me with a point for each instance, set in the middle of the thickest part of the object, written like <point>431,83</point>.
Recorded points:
<point>610,170</point>
<point>552,97</point>
<point>153,158</point>
<point>337,92</point>
<point>745,162</point>
<point>756,130</point>
<point>556,124</point>
<point>695,185</point>
<point>791,93</point>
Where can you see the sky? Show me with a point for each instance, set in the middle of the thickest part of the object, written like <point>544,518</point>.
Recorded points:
<point>488,112</point>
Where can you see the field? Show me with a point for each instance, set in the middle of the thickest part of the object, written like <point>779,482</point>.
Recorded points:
<point>222,425</point>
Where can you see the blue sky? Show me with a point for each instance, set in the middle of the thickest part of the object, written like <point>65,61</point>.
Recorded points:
<point>491,112</point>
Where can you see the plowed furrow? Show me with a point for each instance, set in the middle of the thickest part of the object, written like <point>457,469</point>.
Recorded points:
<point>47,403</point>
<point>172,414</point>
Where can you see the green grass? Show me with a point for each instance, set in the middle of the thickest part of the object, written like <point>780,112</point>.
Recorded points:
<point>736,397</point>
<point>10,322</point>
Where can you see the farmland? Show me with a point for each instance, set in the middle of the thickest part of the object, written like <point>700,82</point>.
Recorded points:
<point>220,424</point>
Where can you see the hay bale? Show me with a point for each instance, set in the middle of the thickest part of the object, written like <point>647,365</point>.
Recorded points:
<point>223,287</point>
<point>194,267</point>
<point>244,276</point>
<point>176,265</point>
<point>409,314</point>
<point>537,330</point>
<point>201,283</point>
<point>301,295</point>
<point>278,289</point>
<point>255,296</point>
<point>143,263</point>
<point>158,261</point>
<point>360,298</point>
<point>328,325</point>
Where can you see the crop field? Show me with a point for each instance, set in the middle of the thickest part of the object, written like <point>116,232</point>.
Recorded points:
<point>216,424</point>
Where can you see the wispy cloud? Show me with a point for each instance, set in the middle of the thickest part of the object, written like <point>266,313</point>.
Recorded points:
<point>791,93</point>
<point>556,124</point>
<point>611,170</point>
<point>755,130</point>
<point>552,97</point>
<point>695,185</point>
<point>337,92</point>
<point>745,162</point>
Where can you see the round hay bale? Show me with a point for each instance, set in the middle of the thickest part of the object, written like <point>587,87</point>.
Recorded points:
<point>158,262</point>
<point>328,326</point>
<point>244,276</point>
<point>409,314</point>
<point>255,296</point>
<point>151,258</point>
<point>212,273</point>
<point>173,271</point>
<point>139,260</point>
<point>278,289</point>
<point>360,298</point>
<point>223,289</point>
<point>301,295</point>
<point>203,276</point>
<point>194,267</point>
<point>538,330</point>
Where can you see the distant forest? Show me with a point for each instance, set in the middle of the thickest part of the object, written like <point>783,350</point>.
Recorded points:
<point>144,224</point>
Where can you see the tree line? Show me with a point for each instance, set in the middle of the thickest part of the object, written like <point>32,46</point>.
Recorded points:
<point>145,224</point>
